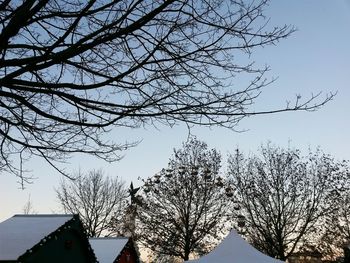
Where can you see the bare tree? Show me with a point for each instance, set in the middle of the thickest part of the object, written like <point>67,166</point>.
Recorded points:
<point>70,70</point>
<point>184,208</point>
<point>28,207</point>
<point>337,234</point>
<point>97,199</point>
<point>284,197</point>
<point>127,222</point>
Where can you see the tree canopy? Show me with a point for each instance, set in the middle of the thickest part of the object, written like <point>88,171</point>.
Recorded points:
<point>99,201</point>
<point>285,197</point>
<point>184,208</point>
<point>337,235</point>
<point>72,70</point>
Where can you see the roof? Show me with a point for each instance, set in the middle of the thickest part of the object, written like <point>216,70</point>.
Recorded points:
<point>107,249</point>
<point>21,232</point>
<point>234,249</point>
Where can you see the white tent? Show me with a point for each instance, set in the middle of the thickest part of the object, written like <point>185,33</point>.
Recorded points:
<point>107,249</point>
<point>234,249</point>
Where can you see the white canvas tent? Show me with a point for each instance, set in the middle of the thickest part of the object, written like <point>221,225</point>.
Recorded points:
<point>234,249</point>
<point>107,249</point>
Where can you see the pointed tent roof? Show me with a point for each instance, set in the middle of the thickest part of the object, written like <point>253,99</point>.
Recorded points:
<point>21,232</point>
<point>234,249</point>
<point>108,249</point>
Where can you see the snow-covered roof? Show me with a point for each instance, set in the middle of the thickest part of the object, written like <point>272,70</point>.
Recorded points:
<point>234,249</point>
<point>107,249</point>
<point>21,232</point>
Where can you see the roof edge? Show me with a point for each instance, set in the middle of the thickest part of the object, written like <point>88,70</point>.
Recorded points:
<point>43,215</point>
<point>108,238</point>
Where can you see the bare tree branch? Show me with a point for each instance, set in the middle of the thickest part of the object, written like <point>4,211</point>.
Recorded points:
<point>284,197</point>
<point>72,70</point>
<point>185,208</point>
<point>96,199</point>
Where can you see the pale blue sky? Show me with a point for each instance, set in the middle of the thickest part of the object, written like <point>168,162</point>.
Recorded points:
<point>315,58</point>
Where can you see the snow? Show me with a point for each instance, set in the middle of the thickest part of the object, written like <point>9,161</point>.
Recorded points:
<point>107,249</point>
<point>234,249</point>
<point>21,232</point>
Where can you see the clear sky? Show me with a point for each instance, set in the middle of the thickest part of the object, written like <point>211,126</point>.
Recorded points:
<point>315,58</point>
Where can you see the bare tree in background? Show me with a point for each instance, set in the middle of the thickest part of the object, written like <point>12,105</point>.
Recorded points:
<point>96,198</point>
<point>184,209</point>
<point>72,70</point>
<point>28,207</point>
<point>284,197</point>
<point>337,235</point>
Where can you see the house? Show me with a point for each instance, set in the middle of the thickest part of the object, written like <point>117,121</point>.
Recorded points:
<point>234,249</point>
<point>44,238</point>
<point>114,250</point>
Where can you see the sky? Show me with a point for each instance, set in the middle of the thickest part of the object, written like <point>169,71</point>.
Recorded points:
<point>316,58</point>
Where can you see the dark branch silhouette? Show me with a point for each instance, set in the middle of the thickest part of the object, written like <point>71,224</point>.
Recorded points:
<point>72,70</point>
<point>285,197</point>
<point>97,199</point>
<point>185,208</point>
